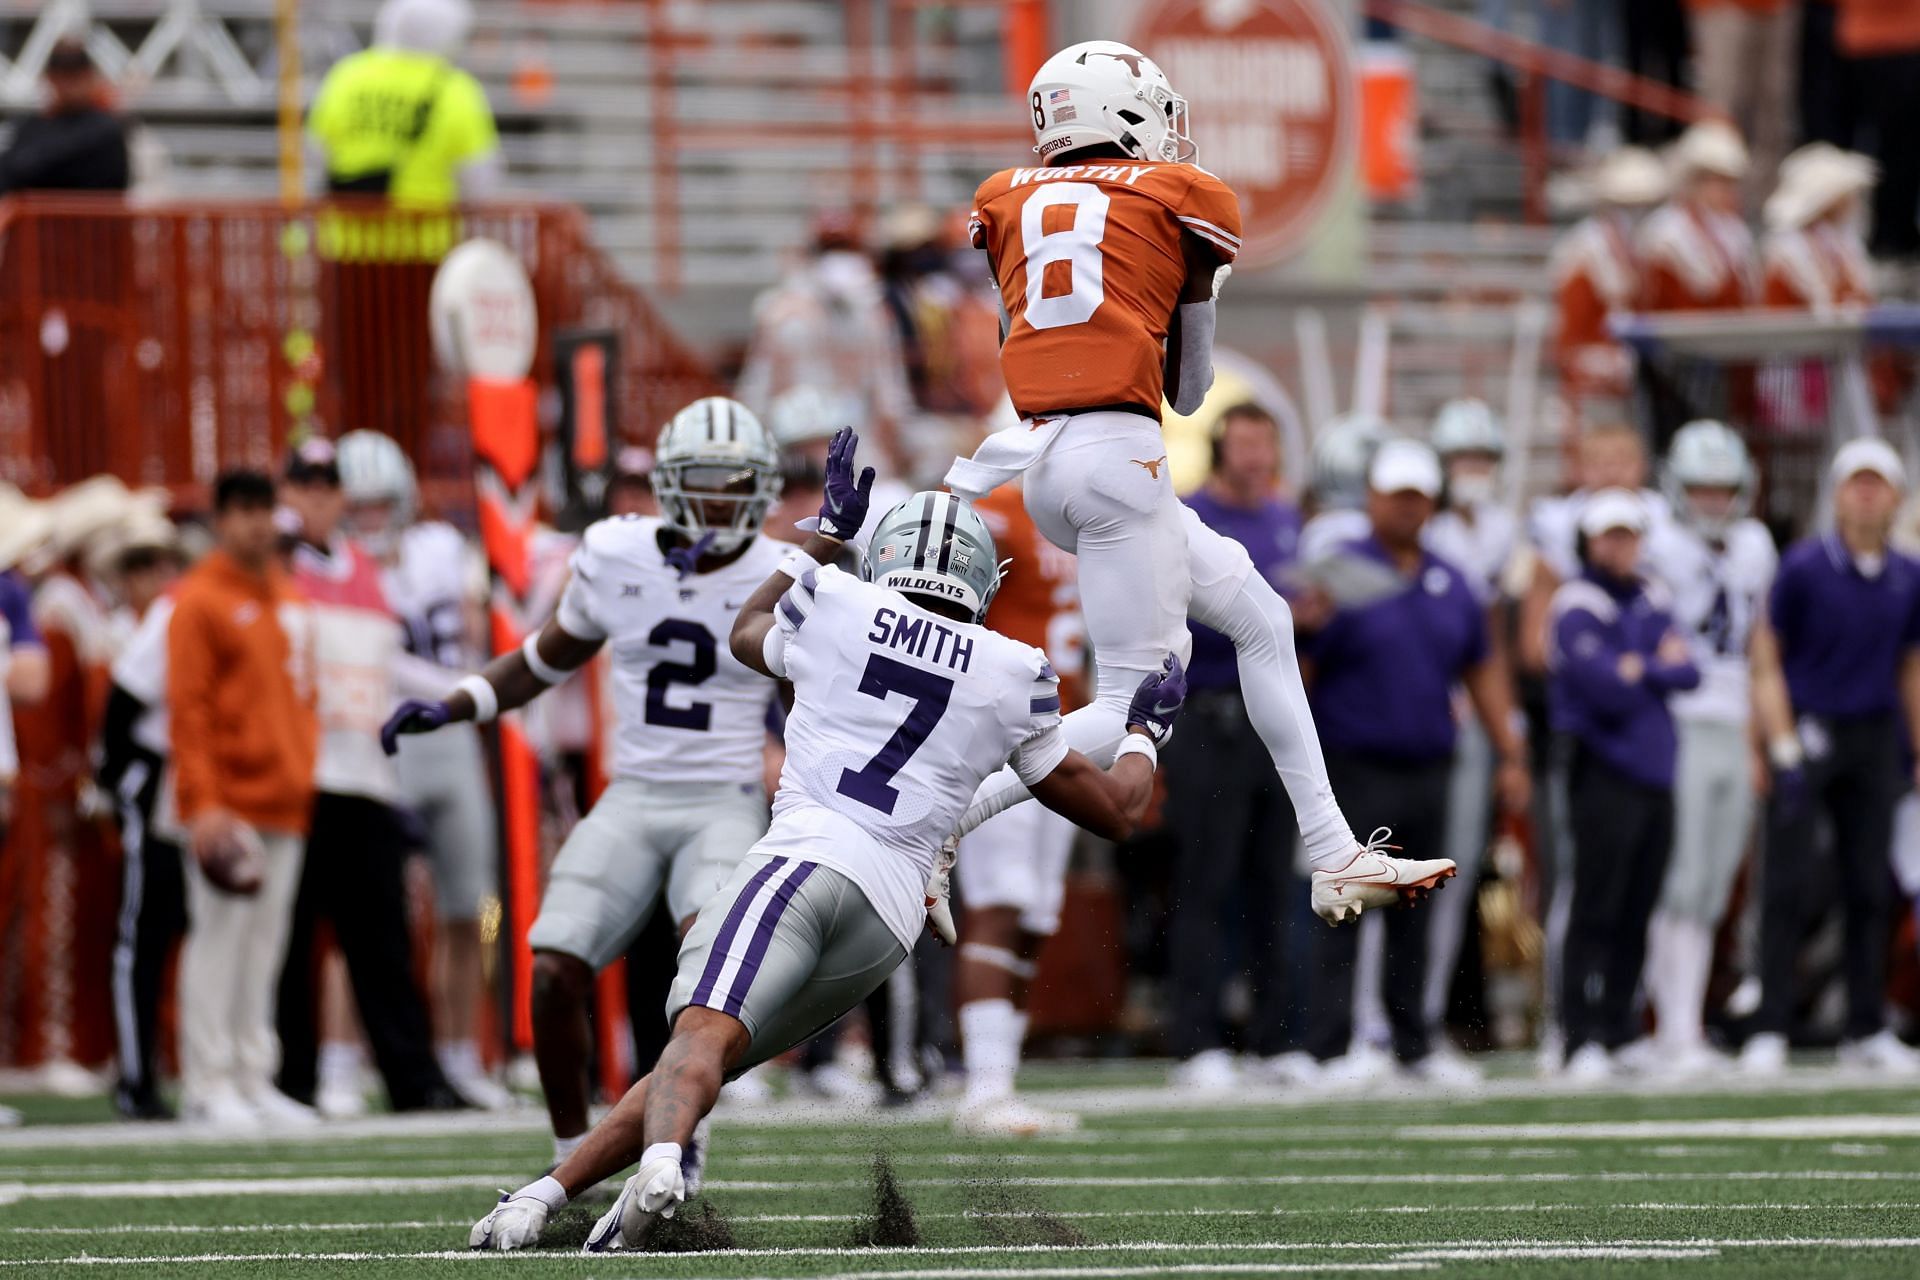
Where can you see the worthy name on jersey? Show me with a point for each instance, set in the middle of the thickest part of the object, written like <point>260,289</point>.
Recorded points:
<point>1127,173</point>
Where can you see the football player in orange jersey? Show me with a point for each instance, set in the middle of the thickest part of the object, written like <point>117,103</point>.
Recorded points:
<point>1108,256</point>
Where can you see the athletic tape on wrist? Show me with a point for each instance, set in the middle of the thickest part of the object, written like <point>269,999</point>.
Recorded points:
<point>543,671</point>
<point>486,703</point>
<point>1139,744</point>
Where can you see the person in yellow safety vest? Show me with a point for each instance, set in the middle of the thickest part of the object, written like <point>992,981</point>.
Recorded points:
<point>401,120</point>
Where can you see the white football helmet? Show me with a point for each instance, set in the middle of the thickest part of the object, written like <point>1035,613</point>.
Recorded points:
<point>1104,91</point>
<point>374,469</point>
<point>1342,452</point>
<point>1709,454</point>
<point>716,452</point>
<point>1466,425</point>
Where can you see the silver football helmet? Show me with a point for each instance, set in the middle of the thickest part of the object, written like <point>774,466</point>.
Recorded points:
<point>1466,425</point>
<point>374,470</point>
<point>715,455</point>
<point>1705,454</point>
<point>1341,454</point>
<point>935,544</point>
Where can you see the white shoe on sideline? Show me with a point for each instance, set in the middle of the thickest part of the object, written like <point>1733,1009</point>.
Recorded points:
<point>1371,879</point>
<point>1693,1060</point>
<point>219,1108</point>
<point>840,1083</point>
<point>10,1118</point>
<point>1361,1067</point>
<point>1883,1052</point>
<point>1291,1068</point>
<point>1209,1071</point>
<point>1764,1055</point>
<point>483,1091</point>
<point>340,1100</point>
<point>1011,1117</point>
<point>278,1111</point>
<point>1589,1064</point>
<point>1639,1057</point>
<point>656,1192</point>
<point>1447,1068</point>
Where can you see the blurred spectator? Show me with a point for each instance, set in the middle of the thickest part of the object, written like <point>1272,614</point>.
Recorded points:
<point>1597,275</point>
<point>1655,45</point>
<point>1814,256</point>
<point>1586,29</point>
<point>1882,38</point>
<point>630,493</point>
<point>949,330</point>
<point>436,583</point>
<point>1846,610</point>
<point>1233,878</point>
<point>1696,251</point>
<point>400,119</point>
<point>1717,564</point>
<point>1337,483</point>
<point>1830,92</point>
<point>1745,51</point>
<point>1474,533</point>
<point>357,849</point>
<point>243,737</point>
<point>827,326</point>
<point>23,528</point>
<point>1381,674</point>
<point>78,143</point>
<point>1615,660</point>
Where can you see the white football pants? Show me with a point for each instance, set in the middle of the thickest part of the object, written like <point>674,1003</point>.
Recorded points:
<point>1102,491</point>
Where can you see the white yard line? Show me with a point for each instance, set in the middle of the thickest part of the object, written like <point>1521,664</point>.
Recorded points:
<point>1598,1253</point>
<point>1810,1127</point>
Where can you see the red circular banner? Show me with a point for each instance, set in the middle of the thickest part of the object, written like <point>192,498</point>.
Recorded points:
<point>1271,88</point>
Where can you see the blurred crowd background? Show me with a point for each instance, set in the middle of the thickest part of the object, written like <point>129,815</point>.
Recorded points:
<point>1603,605</point>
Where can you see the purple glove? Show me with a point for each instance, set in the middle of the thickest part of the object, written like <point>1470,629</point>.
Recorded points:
<point>685,559</point>
<point>845,509</point>
<point>1156,703</point>
<point>412,716</point>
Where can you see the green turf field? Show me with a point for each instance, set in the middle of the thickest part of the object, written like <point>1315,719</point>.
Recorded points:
<point>1817,1178</point>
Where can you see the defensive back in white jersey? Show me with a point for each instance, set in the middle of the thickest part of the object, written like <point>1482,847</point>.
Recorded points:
<point>899,714</point>
<point>1718,592</point>
<point>687,710</point>
<point>433,578</point>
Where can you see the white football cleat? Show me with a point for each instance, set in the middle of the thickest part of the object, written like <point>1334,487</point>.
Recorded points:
<point>277,1110</point>
<point>1589,1064</point>
<point>1764,1055</point>
<point>1011,1117</point>
<point>1447,1068</point>
<point>940,892</point>
<point>1208,1071</point>
<point>1372,879</point>
<point>220,1108</point>
<point>655,1192</point>
<point>1883,1052</point>
<point>515,1223</point>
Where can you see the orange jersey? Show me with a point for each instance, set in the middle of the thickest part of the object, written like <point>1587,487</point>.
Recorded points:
<point>1090,261</point>
<point>1039,600</point>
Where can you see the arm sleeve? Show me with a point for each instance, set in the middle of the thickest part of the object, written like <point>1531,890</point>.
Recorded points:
<point>190,674</point>
<point>1189,368</point>
<point>575,612</point>
<point>790,613</point>
<point>1583,657</point>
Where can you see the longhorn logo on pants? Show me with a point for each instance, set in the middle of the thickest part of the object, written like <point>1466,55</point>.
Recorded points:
<point>1152,468</point>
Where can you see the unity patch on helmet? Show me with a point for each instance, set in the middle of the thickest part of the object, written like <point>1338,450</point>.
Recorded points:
<point>962,561</point>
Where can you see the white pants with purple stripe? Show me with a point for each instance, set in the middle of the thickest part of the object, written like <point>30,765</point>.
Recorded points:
<point>786,947</point>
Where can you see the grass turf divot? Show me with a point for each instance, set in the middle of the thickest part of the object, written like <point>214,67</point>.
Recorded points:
<point>890,1224</point>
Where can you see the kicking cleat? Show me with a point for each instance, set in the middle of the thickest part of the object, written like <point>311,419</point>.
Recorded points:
<point>650,1195</point>
<point>940,892</point>
<point>1373,880</point>
<point>515,1223</point>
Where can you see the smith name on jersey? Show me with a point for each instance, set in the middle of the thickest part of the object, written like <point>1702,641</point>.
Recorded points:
<point>1090,261</point>
<point>688,711</point>
<point>899,714</point>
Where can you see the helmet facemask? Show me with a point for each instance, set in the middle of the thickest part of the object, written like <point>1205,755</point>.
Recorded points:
<point>725,499</point>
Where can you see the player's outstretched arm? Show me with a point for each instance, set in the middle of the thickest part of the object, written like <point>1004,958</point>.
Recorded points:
<point>842,512</point>
<point>1111,802</point>
<point>510,680</point>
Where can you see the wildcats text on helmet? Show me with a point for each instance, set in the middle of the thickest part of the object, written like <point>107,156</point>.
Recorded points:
<point>916,635</point>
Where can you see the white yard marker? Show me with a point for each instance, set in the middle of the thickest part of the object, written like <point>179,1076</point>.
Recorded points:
<point>1811,1127</point>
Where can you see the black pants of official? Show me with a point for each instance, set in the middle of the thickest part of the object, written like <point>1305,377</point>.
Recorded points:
<point>1410,797</point>
<point>1622,834</point>
<point>1853,777</point>
<point>1233,878</point>
<point>354,879</point>
<point>151,923</point>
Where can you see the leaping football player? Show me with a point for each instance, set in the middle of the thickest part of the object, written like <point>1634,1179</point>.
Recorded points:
<point>687,799</point>
<point>903,705</point>
<point>1108,255</point>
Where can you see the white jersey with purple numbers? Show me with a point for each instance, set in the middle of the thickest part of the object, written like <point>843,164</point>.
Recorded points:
<point>434,580</point>
<point>899,715</point>
<point>1718,592</point>
<point>688,710</point>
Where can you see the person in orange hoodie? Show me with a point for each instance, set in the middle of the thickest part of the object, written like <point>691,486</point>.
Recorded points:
<point>240,698</point>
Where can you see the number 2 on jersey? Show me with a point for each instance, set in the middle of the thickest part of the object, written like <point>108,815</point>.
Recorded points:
<point>930,692</point>
<point>1077,245</point>
<point>697,716</point>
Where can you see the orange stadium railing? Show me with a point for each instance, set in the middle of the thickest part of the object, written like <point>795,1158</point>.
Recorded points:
<point>162,343</point>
